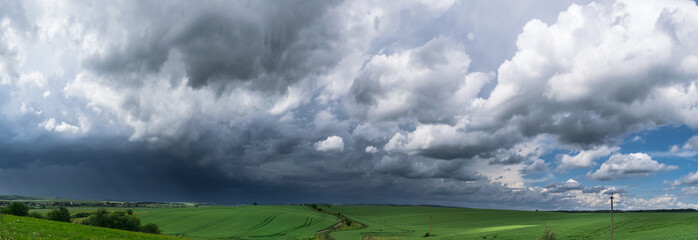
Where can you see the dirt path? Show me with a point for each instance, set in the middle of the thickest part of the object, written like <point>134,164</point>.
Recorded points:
<point>341,223</point>
<point>325,233</point>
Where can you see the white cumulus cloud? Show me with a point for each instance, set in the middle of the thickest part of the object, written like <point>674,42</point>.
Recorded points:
<point>689,179</point>
<point>51,125</point>
<point>371,149</point>
<point>585,159</point>
<point>331,144</point>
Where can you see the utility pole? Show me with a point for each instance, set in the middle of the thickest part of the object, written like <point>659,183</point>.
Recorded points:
<point>611,215</point>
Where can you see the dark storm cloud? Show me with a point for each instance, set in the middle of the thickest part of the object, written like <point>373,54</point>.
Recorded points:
<point>411,167</point>
<point>264,46</point>
<point>132,173</point>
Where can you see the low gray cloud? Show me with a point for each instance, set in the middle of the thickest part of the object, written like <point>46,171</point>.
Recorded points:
<point>624,165</point>
<point>596,189</point>
<point>567,186</point>
<point>411,167</point>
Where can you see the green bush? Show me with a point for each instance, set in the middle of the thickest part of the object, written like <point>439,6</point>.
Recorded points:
<point>99,218</point>
<point>151,228</point>
<point>17,209</point>
<point>119,220</point>
<point>126,222</point>
<point>60,214</point>
<point>548,234</point>
<point>81,215</point>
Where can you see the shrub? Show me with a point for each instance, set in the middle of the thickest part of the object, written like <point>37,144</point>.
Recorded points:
<point>36,215</point>
<point>548,234</point>
<point>81,215</point>
<point>60,214</point>
<point>17,209</point>
<point>99,218</point>
<point>126,222</point>
<point>151,228</point>
<point>129,212</point>
<point>119,220</point>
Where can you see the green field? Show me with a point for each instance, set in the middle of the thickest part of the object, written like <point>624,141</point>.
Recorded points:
<point>13,227</point>
<point>245,222</point>
<point>396,222</point>
<point>462,223</point>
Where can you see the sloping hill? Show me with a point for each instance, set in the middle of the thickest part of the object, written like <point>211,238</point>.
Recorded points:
<point>245,222</point>
<point>13,227</point>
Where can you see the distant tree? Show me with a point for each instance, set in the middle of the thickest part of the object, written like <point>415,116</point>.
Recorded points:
<point>151,228</point>
<point>548,234</point>
<point>17,209</point>
<point>60,214</point>
<point>254,203</point>
<point>36,215</point>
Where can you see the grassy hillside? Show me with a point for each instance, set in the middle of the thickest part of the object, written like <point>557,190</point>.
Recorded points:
<point>460,223</point>
<point>246,222</point>
<point>13,227</point>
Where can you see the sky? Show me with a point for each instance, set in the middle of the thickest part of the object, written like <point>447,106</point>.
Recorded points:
<point>525,104</point>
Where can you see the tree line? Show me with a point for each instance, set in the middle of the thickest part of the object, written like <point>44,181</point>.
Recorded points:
<point>124,220</point>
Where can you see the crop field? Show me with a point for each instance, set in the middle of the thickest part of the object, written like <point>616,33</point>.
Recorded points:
<point>397,222</point>
<point>245,222</point>
<point>383,222</point>
<point>12,227</point>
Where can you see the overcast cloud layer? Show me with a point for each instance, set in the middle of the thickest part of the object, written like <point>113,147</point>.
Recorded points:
<point>526,105</point>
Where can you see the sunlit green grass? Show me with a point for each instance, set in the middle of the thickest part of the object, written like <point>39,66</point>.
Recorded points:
<point>13,227</point>
<point>461,223</point>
